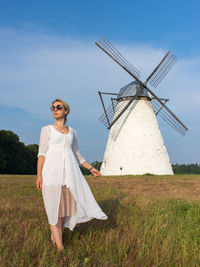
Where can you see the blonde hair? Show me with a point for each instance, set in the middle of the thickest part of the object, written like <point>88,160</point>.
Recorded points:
<point>65,105</point>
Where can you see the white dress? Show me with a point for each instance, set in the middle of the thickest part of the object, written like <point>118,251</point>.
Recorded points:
<point>61,167</point>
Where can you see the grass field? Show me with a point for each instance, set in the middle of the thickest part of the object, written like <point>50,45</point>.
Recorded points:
<point>152,221</point>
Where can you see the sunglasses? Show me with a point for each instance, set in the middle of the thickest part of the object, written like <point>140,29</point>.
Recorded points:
<point>58,107</point>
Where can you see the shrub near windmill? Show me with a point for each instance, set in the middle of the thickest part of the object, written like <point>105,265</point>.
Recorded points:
<point>135,144</point>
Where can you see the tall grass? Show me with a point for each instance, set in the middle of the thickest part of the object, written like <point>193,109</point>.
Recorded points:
<point>152,221</point>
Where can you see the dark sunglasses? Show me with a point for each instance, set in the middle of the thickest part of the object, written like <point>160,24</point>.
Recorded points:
<point>58,107</point>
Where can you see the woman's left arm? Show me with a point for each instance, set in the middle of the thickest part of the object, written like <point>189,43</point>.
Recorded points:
<point>82,161</point>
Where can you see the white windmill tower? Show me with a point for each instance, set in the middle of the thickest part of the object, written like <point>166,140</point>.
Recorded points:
<point>135,144</point>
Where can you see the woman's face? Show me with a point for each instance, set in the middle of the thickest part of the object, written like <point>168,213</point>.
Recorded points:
<point>58,113</point>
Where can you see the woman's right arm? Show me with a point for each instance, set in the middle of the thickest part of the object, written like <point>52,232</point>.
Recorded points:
<point>43,147</point>
<point>40,164</point>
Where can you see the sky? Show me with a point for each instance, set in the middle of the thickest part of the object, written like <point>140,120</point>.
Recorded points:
<point>47,50</point>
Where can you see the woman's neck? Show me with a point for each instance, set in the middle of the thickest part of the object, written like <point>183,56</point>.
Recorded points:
<point>60,122</point>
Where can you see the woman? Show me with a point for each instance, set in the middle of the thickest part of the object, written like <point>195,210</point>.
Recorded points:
<point>67,197</point>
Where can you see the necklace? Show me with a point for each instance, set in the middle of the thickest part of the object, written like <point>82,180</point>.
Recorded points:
<point>62,127</point>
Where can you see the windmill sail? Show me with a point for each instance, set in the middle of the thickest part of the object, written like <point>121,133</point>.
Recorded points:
<point>162,69</point>
<point>112,52</point>
<point>168,117</point>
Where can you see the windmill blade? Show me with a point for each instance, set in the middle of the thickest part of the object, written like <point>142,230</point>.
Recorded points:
<point>106,117</point>
<point>112,52</point>
<point>162,69</point>
<point>166,114</point>
<point>168,117</point>
<point>165,101</point>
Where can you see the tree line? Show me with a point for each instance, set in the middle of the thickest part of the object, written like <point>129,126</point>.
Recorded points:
<point>186,168</point>
<point>15,157</point>
<point>18,158</point>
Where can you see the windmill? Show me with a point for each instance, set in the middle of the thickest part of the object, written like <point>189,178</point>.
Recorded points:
<point>135,144</point>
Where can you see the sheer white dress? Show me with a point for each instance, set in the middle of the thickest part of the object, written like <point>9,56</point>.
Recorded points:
<point>65,190</point>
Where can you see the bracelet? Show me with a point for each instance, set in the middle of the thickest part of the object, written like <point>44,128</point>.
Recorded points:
<point>91,168</point>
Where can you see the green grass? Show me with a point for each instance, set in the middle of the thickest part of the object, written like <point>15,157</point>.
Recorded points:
<point>152,221</point>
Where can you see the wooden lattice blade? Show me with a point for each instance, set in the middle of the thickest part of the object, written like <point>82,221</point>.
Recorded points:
<point>162,69</point>
<point>166,114</point>
<point>112,52</point>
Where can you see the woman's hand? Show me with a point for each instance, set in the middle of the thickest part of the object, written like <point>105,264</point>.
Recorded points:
<point>95,172</point>
<point>39,179</point>
<point>39,183</point>
<point>92,169</point>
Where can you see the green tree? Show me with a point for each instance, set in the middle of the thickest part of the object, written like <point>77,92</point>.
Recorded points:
<point>15,157</point>
<point>186,169</point>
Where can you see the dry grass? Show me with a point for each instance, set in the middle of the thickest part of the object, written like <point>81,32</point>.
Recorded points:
<point>177,186</point>
<point>152,221</point>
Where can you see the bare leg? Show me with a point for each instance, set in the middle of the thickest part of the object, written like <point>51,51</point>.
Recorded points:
<point>56,230</point>
<point>56,234</point>
<point>67,207</point>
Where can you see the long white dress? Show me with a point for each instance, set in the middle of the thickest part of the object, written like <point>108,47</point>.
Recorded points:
<point>61,167</point>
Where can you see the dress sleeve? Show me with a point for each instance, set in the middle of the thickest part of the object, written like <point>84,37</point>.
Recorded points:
<point>75,148</point>
<point>44,141</point>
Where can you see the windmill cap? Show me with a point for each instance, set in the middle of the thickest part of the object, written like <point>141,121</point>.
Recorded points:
<point>130,90</point>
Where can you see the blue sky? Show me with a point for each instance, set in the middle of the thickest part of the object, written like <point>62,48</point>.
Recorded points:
<point>47,50</point>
